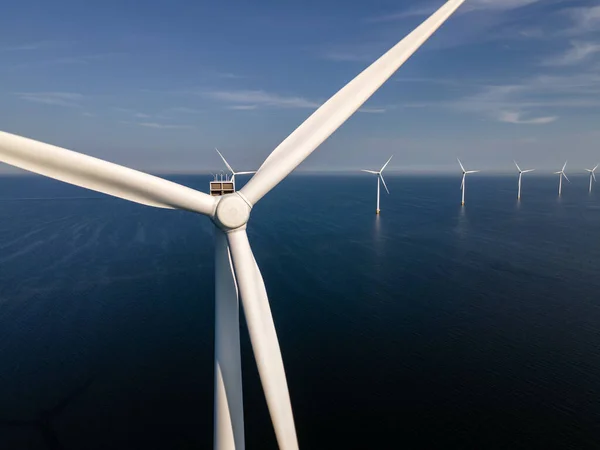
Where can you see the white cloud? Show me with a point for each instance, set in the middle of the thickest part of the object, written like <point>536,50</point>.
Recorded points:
<point>243,107</point>
<point>469,6</point>
<point>515,117</point>
<point>160,126</point>
<point>578,53</point>
<point>252,100</point>
<point>373,110</point>
<point>261,98</point>
<point>29,46</point>
<point>67,60</point>
<point>68,99</point>
<point>585,19</point>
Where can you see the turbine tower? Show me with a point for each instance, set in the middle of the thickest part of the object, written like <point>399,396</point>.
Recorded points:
<point>233,172</point>
<point>237,275</point>
<point>379,177</point>
<point>561,174</point>
<point>521,172</point>
<point>592,175</point>
<point>464,177</point>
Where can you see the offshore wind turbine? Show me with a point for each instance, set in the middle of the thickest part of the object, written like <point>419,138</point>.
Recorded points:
<point>236,270</point>
<point>464,177</point>
<point>592,175</point>
<point>233,172</point>
<point>561,174</point>
<point>379,177</point>
<point>521,172</point>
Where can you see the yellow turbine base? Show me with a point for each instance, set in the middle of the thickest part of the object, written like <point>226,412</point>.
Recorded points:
<point>377,211</point>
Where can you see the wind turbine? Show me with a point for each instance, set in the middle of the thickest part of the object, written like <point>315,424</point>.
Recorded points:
<point>233,172</point>
<point>464,177</point>
<point>561,174</point>
<point>379,176</point>
<point>521,172</point>
<point>592,175</point>
<point>236,270</point>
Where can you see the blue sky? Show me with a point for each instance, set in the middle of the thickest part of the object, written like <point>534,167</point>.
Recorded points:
<point>157,85</point>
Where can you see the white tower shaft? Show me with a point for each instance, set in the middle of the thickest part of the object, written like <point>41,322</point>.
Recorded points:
<point>560,184</point>
<point>377,211</point>
<point>228,407</point>
<point>520,178</point>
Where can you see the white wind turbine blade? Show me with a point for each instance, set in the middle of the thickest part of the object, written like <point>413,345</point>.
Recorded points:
<point>528,170</point>
<point>565,175</point>
<point>594,169</point>
<point>383,181</point>
<point>385,165</point>
<point>101,176</point>
<point>245,173</point>
<point>369,171</point>
<point>594,176</point>
<point>333,113</point>
<point>473,171</point>
<point>461,166</point>
<point>264,339</point>
<point>462,183</point>
<point>225,161</point>
<point>564,167</point>
<point>518,168</point>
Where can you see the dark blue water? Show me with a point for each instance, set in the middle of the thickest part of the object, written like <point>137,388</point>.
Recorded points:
<point>431,326</point>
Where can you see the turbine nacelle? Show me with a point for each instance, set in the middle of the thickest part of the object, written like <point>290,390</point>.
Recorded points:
<point>562,172</point>
<point>523,171</point>
<point>593,172</point>
<point>232,212</point>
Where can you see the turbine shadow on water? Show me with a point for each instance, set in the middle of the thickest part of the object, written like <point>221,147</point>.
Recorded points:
<point>45,418</point>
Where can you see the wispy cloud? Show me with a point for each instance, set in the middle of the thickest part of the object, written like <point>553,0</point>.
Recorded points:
<point>355,52</point>
<point>160,126</point>
<point>578,52</point>
<point>243,107</point>
<point>248,100</point>
<point>181,110</point>
<point>470,6</point>
<point>67,99</point>
<point>373,110</point>
<point>530,100</point>
<point>516,117</point>
<point>585,19</point>
<point>67,60</point>
<point>29,46</point>
<point>259,98</point>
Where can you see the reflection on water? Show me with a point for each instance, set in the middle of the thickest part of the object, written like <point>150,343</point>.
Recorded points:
<point>462,222</point>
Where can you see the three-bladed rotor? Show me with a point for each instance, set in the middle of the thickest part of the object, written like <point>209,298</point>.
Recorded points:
<point>380,173</point>
<point>231,212</point>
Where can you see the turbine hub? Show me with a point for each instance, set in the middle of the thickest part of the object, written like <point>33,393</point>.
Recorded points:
<point>232,212</point>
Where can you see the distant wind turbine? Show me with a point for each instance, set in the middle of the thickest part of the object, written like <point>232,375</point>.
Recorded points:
<point>521,172</point>
<point>463,185</point>
<point>233,172</point>
<point>561,174</point>
<point>379,177</point>
<point>592,175</point>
